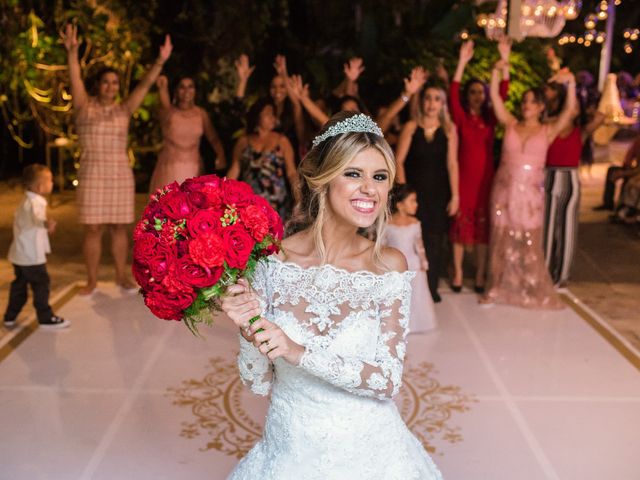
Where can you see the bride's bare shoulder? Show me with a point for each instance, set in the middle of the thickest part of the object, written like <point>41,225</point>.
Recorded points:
<point>394,259</point>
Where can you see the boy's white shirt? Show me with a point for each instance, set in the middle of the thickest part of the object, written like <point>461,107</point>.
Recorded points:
<point>30,243</point>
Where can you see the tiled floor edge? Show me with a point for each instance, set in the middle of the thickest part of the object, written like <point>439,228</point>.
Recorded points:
<point>602,327</point>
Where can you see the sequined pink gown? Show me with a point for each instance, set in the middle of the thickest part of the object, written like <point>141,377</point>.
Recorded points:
<point>517,272</point>
<point>179,158</point>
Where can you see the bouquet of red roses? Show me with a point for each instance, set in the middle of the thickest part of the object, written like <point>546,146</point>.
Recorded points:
<point>197,238</point>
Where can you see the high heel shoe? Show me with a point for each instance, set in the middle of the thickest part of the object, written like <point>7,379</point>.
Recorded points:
<point>479,289</point>
<point>456,288</point>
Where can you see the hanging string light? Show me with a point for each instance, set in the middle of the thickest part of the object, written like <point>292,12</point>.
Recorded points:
<point>631,36</point>
<point>603,8</point>
<point>590,21</point>
<point>591,35</point>
<point>540,18</point>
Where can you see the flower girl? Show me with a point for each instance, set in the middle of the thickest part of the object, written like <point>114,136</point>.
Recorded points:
<point>404,232</point>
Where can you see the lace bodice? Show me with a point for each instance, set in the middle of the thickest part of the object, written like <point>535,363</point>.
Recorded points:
<point>353,325</point>
<point>332,417</point>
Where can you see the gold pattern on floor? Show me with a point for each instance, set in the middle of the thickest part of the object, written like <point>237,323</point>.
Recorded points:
<point>219,404</point>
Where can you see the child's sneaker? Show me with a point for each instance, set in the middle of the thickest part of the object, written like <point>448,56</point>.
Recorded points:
<point>9,323</point>
<point>55,323</point>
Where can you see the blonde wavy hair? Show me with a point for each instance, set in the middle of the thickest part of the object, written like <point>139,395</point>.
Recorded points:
<point>321,166</point>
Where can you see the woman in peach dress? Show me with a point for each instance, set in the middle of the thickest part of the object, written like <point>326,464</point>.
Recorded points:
<point>183,124</point>
<point>517,271</point>
<point>106,184</point>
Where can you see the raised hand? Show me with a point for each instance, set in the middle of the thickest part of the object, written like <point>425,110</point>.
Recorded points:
<point>280,64</point>
<point>504,48</point>
<point>466,51</point>
<point>296,87</point>
<point>564,75</point>
<point>165,49</point>
<point>243,69</point>
<point>70,37</point>
<point>416,79</point>
<point>353,68</point>
<point>162,82</point>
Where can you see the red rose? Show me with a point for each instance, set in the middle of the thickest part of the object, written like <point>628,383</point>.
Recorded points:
<point>151,211</point>
<point>204,221</point>
<point>237,246</point>
<point>236,193</point>
<point>276,227</point>
<point>195,275</point>
<point>197,183</point>
<point>207,250</point>
<point>143,276</point>
<point>176,206</point>
<point>256,221</point>
<point>160,260</point>
<point>169,304</point>
<point>204,191</point>
<point>144,245</point>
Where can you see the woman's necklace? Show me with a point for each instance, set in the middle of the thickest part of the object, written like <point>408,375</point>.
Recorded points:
<point>429,131</point>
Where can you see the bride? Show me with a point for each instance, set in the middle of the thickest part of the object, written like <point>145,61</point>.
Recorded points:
<point>332,338</point>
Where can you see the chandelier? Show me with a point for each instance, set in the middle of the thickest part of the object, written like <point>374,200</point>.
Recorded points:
<point>538,18</point>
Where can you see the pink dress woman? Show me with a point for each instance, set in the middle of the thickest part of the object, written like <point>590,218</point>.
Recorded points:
<point>179,158</point>
<point>517,271</point>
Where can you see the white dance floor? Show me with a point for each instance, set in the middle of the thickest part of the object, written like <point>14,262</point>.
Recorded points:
<point>495,393</point>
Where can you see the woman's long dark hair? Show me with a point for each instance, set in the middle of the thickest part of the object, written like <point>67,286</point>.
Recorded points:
<point>485,108</point>
<point>561,97</point>
<point>253,115</point>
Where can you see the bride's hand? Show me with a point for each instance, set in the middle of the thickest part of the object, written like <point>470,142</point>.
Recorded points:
<point>274,343</point>
<point>241,304</point>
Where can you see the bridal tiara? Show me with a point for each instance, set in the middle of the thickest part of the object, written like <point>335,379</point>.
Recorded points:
<point>356,123</point>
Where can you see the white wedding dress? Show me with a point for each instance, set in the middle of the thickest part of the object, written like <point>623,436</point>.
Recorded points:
<point>332,417</point>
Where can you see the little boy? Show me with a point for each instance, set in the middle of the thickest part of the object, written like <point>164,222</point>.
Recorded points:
<point>29,248</point>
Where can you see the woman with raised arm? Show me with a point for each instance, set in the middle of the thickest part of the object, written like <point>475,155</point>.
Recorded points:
<point>105,179</point>
<point>471,111</point>
<point>287,109</point>
<point>562,184</point>
<point>517,271</point>
<point>335,307</point>
<point>412,85</point>
<point>427,158</point>
<point>264,158</point>
<point>183,124</point>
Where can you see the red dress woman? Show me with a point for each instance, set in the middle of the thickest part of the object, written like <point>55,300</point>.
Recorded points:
<point>476,123</point>
<point>476,126</point>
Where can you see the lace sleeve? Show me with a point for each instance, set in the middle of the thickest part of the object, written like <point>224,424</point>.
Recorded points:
<point>256,370</point>
<point>381,377</point>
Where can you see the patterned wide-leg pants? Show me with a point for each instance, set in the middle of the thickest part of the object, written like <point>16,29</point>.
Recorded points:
<point>562,203</point>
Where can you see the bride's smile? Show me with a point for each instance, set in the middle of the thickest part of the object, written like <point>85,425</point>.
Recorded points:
<point>356,196</point>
